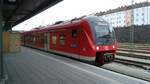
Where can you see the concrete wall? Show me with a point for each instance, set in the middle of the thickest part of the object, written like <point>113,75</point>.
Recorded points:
<point>11,42</point>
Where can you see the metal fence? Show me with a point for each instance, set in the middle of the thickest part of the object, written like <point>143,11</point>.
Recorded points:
<point>141,34</point>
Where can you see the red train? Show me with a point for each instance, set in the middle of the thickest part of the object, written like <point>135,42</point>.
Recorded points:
<point>88,38</point>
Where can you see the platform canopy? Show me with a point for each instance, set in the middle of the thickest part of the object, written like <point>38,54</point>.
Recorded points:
<point>17,11</point>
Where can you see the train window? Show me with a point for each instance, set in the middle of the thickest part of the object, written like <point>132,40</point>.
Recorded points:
<point>62,40</point>
<point>42,38</point>
<point>54,38</point>
<point>74,33</point>
<point>30,38</point>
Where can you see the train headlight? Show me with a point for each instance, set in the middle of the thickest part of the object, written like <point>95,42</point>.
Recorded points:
<point>97,48</point>
<point>113,46</point>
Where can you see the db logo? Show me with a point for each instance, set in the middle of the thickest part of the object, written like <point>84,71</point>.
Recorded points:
<point>106,48</point>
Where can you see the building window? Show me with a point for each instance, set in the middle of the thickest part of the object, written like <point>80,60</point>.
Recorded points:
<point>119,21</point>
<point>62,40</point>
<point>143,19</point>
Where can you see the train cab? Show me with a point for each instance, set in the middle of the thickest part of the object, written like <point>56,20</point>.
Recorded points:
<point>104,39</point>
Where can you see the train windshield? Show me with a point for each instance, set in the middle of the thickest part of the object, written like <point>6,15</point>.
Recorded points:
<point>104,34</point>
<point>102,31</point>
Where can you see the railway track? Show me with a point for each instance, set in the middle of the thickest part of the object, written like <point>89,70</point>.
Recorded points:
<point>139,56</point>
<point>133,64</point>
<point>135,50</point>
<point>145,66</point>
<point>135,46</point>
<point>134,54</point>
<point>131,70</point>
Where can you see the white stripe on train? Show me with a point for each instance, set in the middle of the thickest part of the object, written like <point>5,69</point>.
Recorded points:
<point>89,58</point>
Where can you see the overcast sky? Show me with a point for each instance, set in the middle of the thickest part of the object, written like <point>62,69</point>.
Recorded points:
<point>68,9</point>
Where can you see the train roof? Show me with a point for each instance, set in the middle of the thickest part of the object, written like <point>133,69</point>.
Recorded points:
<point>73,22</point>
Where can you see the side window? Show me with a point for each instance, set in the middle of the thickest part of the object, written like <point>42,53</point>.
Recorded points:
<point>31,38</point>
<point>42,38</point>
<point>54,38</point>
<point>62,40</point>
<point>74,33</point>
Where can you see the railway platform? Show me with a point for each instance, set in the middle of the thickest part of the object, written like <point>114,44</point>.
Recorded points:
<point>32,66</point>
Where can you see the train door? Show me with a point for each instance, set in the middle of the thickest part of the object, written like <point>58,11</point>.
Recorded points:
<point>75,42</point>
<point>46,41</point>
<point>53,41</point>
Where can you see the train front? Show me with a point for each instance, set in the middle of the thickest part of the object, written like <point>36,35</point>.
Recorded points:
<point>105,41</point>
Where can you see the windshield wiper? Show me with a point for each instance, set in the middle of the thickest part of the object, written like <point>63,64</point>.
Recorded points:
<point>105,36</point>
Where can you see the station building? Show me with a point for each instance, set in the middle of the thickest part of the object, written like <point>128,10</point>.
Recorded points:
<point>121,17</point>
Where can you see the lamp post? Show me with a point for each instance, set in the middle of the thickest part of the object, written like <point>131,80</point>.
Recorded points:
<point>132,27</point>
<point>147,14</point>
<point>1,42</point>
